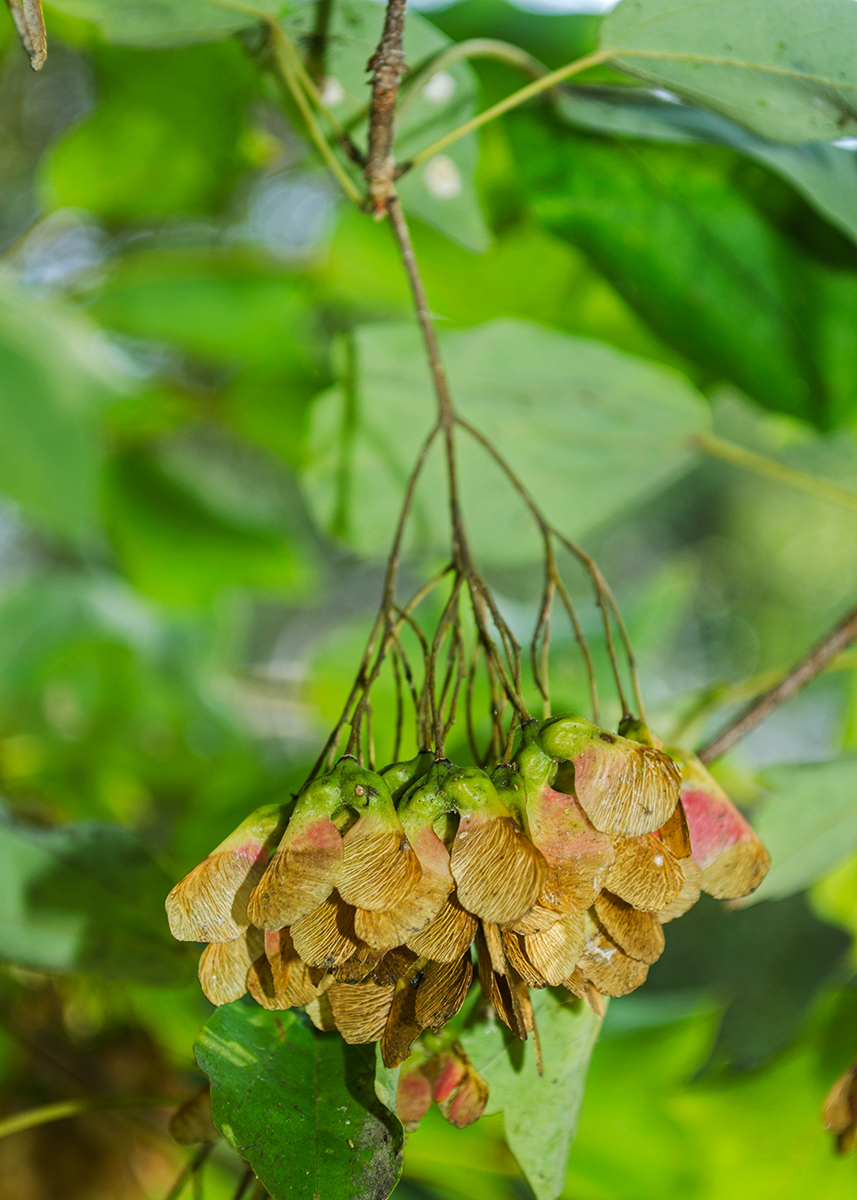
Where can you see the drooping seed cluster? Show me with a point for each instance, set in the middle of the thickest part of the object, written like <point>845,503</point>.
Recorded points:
<point>363,900</point>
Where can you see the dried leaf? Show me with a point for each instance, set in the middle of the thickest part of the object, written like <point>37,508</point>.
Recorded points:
<point>555,951</point>
<point>211,903</point>
<point>578,856</point>
<point>326,937</point>
<point>360,1010</point>
<point>498,872</point>
<point>638,933</point>
<point>441,992</point>
<point>30,26</point>
<point>607,967</point>
<point>303,872</point>
<point>223,966</point>
<point>646,874</point>
<point>448,935</point>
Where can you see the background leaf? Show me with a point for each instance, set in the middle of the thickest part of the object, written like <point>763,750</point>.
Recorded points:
<point>540,1112</point>
<point>169,22</point>
<point>785,69</point>
<point>86,897</point>
<point>809,824</point>
<point>300,1106</point>
<point>588,429</point>
<point>54,379</point>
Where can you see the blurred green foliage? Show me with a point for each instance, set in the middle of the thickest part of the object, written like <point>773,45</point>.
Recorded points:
<point>208,398</point>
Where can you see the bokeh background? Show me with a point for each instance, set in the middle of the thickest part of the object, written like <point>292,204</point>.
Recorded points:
<point>178,629</point>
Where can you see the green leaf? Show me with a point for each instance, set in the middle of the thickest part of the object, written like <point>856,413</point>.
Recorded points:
<point>823,173</point>
<point>299,1106</point>
<point>52,379</point>
<point>769,963</point>
<point>88,898</point>
<point>784,70</point>
<point>540,1112</point>
<point>589,430</point>
<point>168,135</point>
<point>808,823</point>
<point>441,191</point>
<point>170,22</point>
<point>677,235</point>
<point>179,549</point>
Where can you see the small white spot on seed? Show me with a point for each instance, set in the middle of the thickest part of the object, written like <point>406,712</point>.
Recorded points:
<point>440,88</point>
<point>659,860</point>
<point>443,178</point>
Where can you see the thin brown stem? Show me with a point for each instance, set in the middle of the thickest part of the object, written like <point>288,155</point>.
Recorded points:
<point>388,66</point>
<point>806,670</point>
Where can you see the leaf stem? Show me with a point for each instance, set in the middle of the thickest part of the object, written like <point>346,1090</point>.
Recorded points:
<point>739,456</point>
<point>282,49</point>
<point>513,101</point>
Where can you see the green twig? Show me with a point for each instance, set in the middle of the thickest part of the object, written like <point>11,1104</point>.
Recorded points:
<point>739,456</point>
<point>282,48</point>
<point>513,101</point>
<point>73,1108</point>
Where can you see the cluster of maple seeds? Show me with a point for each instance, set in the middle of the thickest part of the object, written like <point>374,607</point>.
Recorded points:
<point>363,900</point>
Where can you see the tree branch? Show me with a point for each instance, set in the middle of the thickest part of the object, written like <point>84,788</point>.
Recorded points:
<point>805,671</point>
<point>388,67</point>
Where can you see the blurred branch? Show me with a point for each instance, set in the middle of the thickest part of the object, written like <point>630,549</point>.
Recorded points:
<point>190,1170</point>
<point>739,456</point>
<point>73,1108</point>
<point>282,50</point>
<point>493,48</point>
<point>805,671</point>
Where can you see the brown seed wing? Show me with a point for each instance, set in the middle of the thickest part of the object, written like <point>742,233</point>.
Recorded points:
<point>676,833</point>
<point>210,903</point>
<point>441,992</point>
<point>192,1123</point>
<point>395,965</point>
<point>321,1014</point>
<point>304,870</point>
<point>360,1010</point>
<point>737,870</point>
<point>645,874</point>
<point>538,918</point>
<point>447,937</point>
<point>688,895</point>
<point>379,868</point>
<point>576,983</point>
<point>494,946</point>
<point>513,945</point>
<point>607,967</point>
<point>402,1025</point>
<point>326,937</point>
<point>498,871</point>
<point>555,952</point>
<point>358,968</point>
<point>625,788</point>
<point>223,966</point>
<point>638,933</point>
<point>838,1112</point>
<point>578,856</point>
